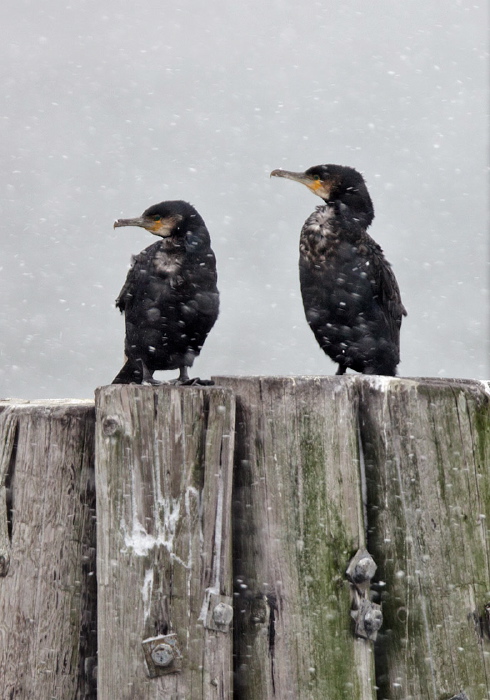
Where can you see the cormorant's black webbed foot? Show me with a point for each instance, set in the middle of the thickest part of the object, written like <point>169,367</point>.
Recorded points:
<point>197,381</point>
<point>146,375</point>
<point>184,380</point>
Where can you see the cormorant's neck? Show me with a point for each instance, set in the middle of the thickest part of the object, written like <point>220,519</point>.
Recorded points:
<point>179,233</point>
<point>358,211</point>
<point>172,244</point>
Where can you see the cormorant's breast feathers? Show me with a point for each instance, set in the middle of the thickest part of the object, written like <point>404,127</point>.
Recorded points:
<point>171,266</point>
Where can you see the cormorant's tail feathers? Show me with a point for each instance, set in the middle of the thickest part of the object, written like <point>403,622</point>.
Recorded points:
<point>129,374</point>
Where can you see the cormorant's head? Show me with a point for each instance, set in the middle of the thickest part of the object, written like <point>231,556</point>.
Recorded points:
<point>165,219</point>
<point>336,184</point>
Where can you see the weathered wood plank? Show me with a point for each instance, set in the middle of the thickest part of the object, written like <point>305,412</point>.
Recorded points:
<point>427,454</point>
<point>298,519</point>
<point>164,488</point>
<point>47,507</point>
<point>163,474</point>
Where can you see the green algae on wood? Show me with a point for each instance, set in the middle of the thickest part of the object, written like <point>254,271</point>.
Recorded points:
<point>298,520</point>
<point>427,454</point>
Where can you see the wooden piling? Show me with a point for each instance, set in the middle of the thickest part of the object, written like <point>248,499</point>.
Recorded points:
<point>426,449</point>
<point>164,475</point>
<point>47,519</point>
<point>297,522</point>
<point>320,467</point>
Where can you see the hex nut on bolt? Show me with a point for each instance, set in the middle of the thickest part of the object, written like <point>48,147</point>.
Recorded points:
<point>362,568</point>
<point>368,619</point>
<point>223,614</point>
<point>373,620</point>
<point>163,655</point>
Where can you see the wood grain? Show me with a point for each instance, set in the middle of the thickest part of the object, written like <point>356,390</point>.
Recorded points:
<point>427,453</point>
<point>47,598</point>
<point>298,520</point>
<point>164,475</point>
<point>305,451</point>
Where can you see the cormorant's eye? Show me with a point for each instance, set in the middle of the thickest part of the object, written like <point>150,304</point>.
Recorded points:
<point>316,177</point>
<point>156,217</point>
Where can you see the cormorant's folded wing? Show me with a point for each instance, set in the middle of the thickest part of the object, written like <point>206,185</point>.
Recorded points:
<point>386,289</point>
<point>139,264</point>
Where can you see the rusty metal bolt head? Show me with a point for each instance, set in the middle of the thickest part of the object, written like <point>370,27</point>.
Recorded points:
<point>361,569</point>
<point>364,570</point>
<point>373,619</point>
<point>223,614</point>
<point>163,655</point>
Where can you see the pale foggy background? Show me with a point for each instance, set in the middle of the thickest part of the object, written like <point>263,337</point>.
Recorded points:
<point>109,106</point>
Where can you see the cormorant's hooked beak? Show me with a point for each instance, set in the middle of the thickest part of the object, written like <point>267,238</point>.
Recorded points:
<point>315,184</point>
<point>139,221</point>
<point>159,226</point>
<point>303,178</point>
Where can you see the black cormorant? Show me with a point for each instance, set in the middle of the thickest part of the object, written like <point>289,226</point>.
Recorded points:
<point>350,295</point>
<point>170,299</point>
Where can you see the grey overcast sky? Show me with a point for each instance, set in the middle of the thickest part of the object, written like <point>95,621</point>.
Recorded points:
<point>110,106</point>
